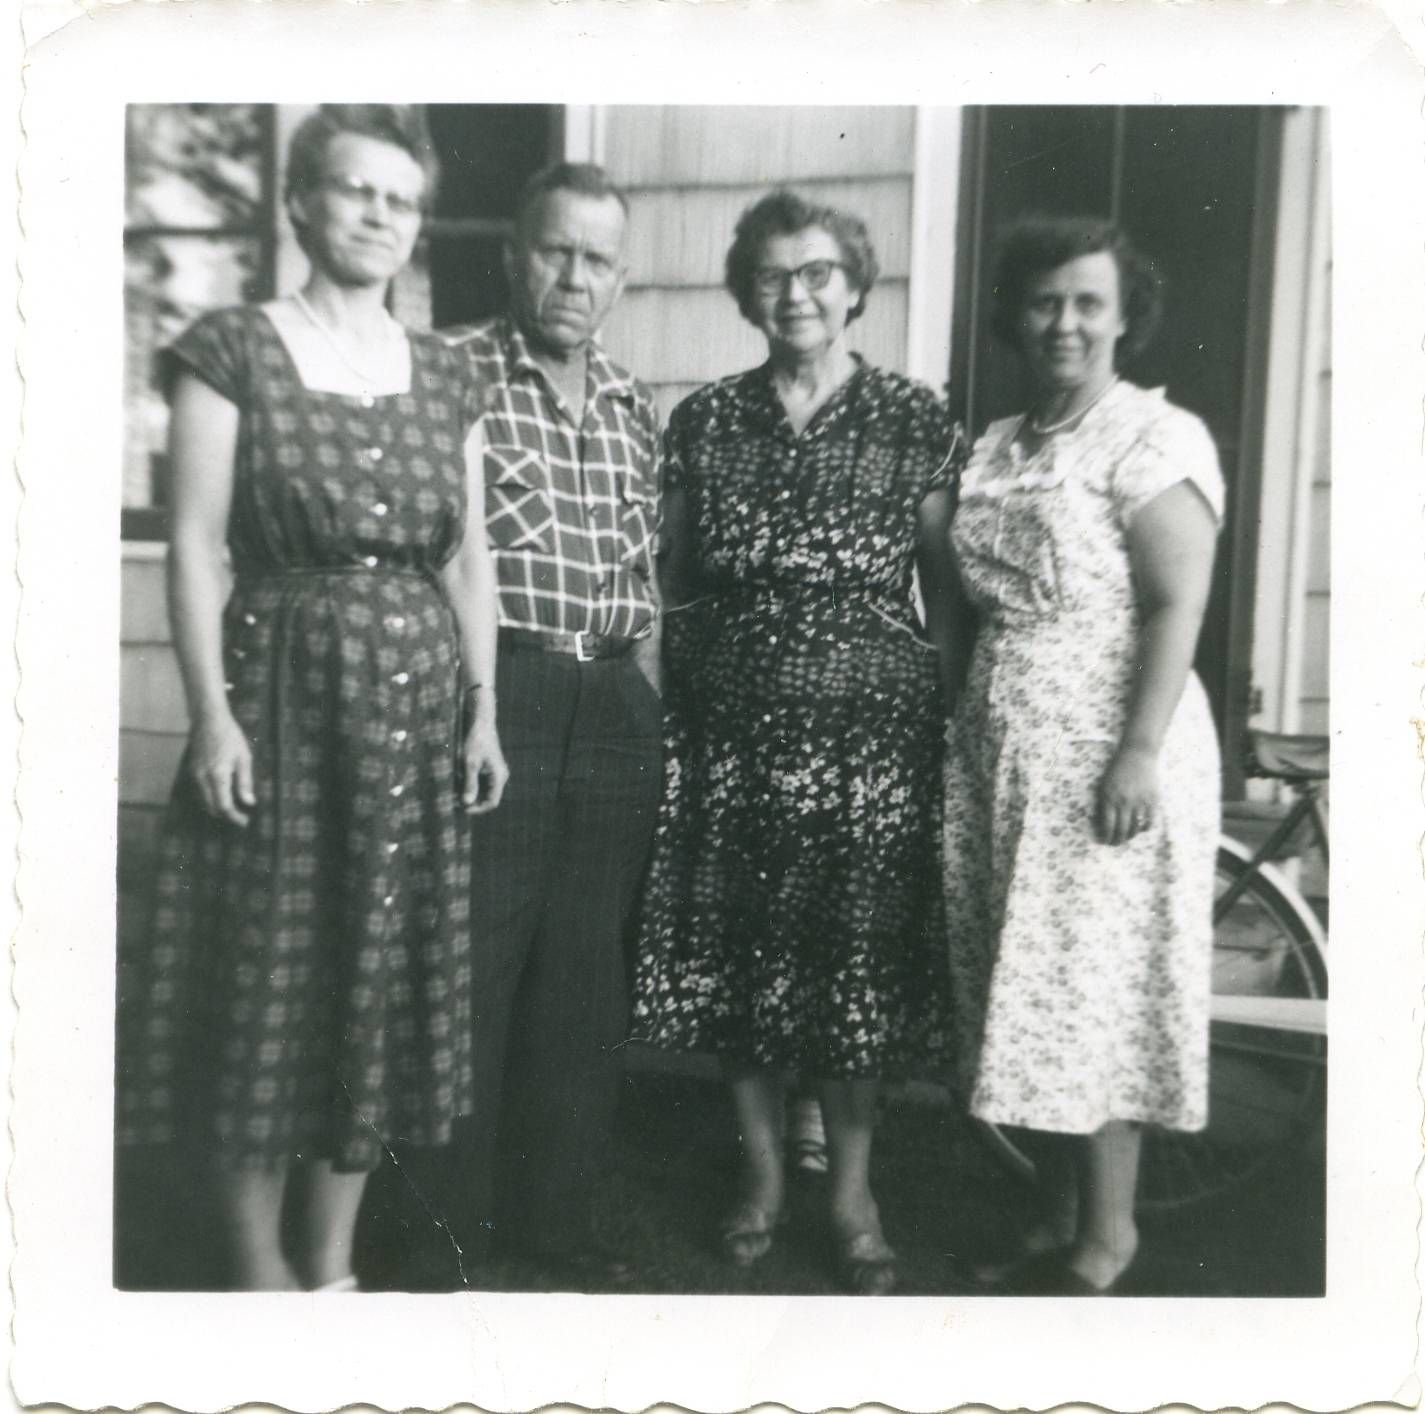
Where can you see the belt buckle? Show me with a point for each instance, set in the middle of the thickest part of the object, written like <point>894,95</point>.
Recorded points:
<point>580,652</point>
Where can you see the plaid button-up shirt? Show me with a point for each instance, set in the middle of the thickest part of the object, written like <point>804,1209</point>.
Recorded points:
<point>571,511</point>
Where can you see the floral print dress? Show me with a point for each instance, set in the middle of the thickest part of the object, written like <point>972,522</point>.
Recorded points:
<point>1080,971</point>
<point>792,916</point>
<point>305,988</point>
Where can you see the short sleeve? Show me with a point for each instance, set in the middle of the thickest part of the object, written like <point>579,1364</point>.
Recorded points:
<point>215,348</point>
<point>1175,447</point>
<point>476,394</point>
<point>941,443</point>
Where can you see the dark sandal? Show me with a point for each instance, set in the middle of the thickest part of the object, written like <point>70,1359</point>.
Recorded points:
<point>746,1234</point>
<point>867,1263</point>
<point>1005,1271</point>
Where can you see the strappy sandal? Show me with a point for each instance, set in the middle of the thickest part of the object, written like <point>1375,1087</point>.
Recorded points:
<point>746,1234</point>
<point>867,1263</point>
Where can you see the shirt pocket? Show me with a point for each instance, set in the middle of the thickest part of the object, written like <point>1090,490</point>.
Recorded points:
<point>638,520</point>
<point>518,511</point>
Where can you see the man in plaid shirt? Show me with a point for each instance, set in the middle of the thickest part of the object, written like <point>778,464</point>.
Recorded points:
<point>571,504</point>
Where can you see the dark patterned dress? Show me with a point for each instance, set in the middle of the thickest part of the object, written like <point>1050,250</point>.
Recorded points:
<point>305,988</point>
<point>793,915</point>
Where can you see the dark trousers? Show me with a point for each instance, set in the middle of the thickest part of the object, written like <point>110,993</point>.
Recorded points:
<point>557,868</point>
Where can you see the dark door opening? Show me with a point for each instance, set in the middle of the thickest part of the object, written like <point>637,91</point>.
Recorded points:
<point>1194,187</point>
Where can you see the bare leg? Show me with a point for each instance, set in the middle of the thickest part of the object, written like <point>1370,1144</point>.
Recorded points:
<point>1056,1222</point>
<point>1108,1186</point>
<point>758,1101</point>
<point>329,1224</point>
<point>849,1109</point>
<point>867,1264</point>
<point>1057,1183</point>
<point>250,1207</point>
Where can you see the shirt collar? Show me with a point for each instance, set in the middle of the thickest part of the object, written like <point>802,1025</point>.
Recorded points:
<point>608,379</point>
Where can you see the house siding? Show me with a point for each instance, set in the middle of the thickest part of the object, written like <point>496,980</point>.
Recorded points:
<point>691,171</point>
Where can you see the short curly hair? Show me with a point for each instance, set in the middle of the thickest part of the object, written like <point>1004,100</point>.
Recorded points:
<point>1035,244</point>
<point>400,124</point>
<point>784,213</point>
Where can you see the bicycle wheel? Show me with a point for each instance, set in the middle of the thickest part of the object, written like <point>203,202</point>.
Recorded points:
<point>1267,1081</point>
<point>1268,1049</point>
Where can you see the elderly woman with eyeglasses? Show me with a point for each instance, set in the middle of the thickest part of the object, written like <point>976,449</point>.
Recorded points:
<point>792,919</point>
<point>303,999</point>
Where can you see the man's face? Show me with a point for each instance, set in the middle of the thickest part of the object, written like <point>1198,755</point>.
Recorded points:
<point>565,267</point>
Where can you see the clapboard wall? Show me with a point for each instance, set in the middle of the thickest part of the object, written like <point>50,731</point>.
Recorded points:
<point>153,721</point>
<point>691,171</point>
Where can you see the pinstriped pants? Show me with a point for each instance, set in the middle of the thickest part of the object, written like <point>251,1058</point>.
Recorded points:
<point>557,869</point>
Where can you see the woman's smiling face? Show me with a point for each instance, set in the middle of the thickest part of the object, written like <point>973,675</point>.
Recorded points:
<point>1071,321</point>
<point>361,221</point>
<point>796,320</point>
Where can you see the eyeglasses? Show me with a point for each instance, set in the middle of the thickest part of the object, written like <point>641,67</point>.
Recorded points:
<point>354,190</point>
<point>773,280</point>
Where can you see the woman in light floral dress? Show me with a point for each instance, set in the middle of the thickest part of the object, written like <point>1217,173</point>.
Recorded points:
<point>1082,777</point>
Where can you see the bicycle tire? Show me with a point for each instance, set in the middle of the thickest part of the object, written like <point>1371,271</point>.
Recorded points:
<point>1266,1082</point>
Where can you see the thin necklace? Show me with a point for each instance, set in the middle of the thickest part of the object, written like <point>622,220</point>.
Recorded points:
<point>329,334</point>
<point>1074,417</point>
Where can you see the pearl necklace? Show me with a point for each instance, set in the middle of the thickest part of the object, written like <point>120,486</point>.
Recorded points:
<point>329,334</point>
<point>1074,417</point>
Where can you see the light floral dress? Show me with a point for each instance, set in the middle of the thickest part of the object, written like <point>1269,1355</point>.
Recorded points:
<point>1080,971</point>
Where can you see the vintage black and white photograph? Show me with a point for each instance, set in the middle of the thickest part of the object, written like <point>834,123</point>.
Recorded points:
<point>555,544</point>
<point>685,706</point>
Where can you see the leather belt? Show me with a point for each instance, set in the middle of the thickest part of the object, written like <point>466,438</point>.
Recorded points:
<point>583,645</point>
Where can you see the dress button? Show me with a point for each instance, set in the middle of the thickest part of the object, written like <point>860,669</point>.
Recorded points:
<point>249,619</point>
<point>398,736</point>
<point>380,508</point>
<point>370,561</point>
<point>397,790</point>
<point>395,622</point>
<point>401,679</point>
<point>375,453</point>
<point>392,848</point>
<point>388,900</point>
<point>367,401</point>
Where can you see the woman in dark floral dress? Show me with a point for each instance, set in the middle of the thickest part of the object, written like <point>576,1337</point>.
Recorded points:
<point>304,995</point>
<point>792,913</point>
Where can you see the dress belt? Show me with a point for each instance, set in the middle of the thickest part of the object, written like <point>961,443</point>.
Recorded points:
<point>583,645</point>
<point>258,573</point>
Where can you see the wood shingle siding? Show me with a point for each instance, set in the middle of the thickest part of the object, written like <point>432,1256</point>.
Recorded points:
<point>681,234</point>
<point>717,146</point>
<point>691,172</point>
<point>153,719</point>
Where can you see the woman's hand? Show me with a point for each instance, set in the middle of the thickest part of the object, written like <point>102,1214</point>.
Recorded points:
<point>1127,795</point>
<point>483,771</point>
<point>220,762</point>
